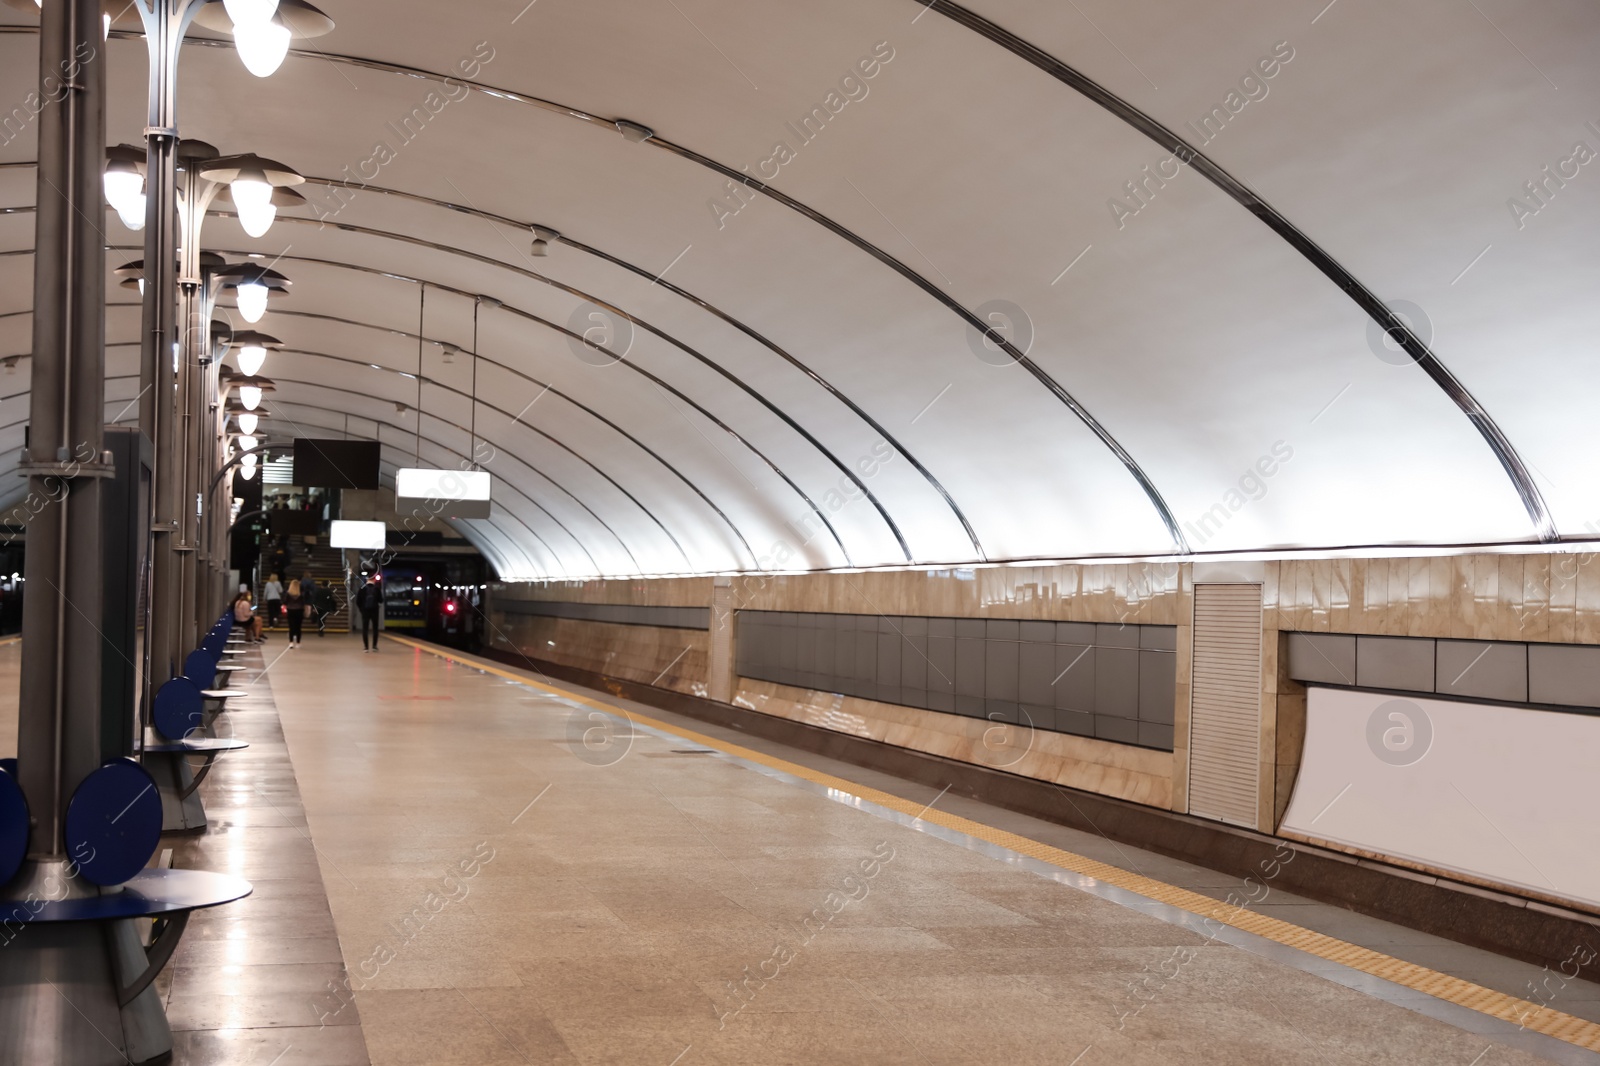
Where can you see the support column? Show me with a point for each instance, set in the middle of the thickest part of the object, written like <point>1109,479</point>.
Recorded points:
<point>193,433</point>
<point>58,736</point>
<point>164,30</point>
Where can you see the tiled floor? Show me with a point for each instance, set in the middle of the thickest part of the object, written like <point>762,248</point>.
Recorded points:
<point>512,880</point>
<point>248,985</point>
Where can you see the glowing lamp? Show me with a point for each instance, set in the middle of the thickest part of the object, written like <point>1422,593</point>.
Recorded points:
<point>252,357</point>
<point>252,299</point>
<point>252,196</point>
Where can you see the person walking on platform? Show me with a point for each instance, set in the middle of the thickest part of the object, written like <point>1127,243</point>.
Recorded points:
<point>272,592</point>
<point>369,601</point>
<point>315,596</point>
<point>294,605</point>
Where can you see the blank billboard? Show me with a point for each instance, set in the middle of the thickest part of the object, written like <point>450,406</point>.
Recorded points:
<point>336,464</point>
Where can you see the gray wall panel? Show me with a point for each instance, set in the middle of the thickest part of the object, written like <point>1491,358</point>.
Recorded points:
<point>1039,632</point>
<point>1073,681</point>
<point>1394,662</point>
<point>1117,730</point>
<point>1482,670</point>
<point>942,666</point>
<point>1116,682</point>
<point>1564,674</point>
<point>1110,635</point>
<point>1004,670</point>
<point>1329,658</point>
<point>1158,638</point>
<point>1036,668</point>
<point>914,660</point>
<point>1152,735</point>
<point>1158,677</point>
<point>1003,629</point>
<point>1075,633</point>
<point>969,666</point>
<point>1078,723</point>
<point>1000,669</point>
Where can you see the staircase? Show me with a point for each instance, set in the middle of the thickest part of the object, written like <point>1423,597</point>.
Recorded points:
<point>327,566</point>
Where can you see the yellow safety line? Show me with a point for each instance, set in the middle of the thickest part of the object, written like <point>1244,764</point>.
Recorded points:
<point>11,640</point>
<point>1507,1008</point>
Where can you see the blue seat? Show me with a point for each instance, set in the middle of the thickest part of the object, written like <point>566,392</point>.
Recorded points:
<point>201,667</point>
<point>179,709</point>
<point>113,823</point>
<point>13,822</point>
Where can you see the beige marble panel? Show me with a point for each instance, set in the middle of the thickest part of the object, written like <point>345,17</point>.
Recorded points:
<point>668,658</point>
<point>1586,576</point>
<point>1135,774</point>
<point>1339,593</point>
<point>1480,596</point>
<point>1149,593</point>
<point>651,592</point>
<point>1508,613</point>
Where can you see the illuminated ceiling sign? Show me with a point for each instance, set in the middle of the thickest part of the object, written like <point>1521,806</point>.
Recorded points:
<point>363,536</point>
<point>442,493</point>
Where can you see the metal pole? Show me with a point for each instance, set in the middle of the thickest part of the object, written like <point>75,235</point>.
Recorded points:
<point>194,354</point>
<point>58,736</point>
<point>165,23</point>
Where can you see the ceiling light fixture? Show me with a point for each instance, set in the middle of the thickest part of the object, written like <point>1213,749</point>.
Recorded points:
<point>253,184</point>
<point>252,301</point>
<point>125,185</point>
<point>251,349</point>
<point>254,285</point>
<point>542,236</point>
<point>633,132</point>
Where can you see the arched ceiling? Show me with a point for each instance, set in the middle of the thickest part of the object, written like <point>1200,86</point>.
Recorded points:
<point>800,379</point>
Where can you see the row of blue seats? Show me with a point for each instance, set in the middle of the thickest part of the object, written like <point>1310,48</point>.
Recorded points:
<point>114,820</point>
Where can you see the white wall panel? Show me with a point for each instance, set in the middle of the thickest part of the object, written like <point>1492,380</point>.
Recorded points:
<point>1504,794</point>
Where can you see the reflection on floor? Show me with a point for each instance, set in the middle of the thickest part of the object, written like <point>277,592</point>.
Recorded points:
<point>250,983</point>
<point>515,878</point>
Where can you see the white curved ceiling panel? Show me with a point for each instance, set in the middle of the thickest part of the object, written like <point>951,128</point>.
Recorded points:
<point>812,354</point>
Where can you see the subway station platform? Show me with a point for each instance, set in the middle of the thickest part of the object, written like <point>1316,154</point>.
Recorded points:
<point>460,862</point>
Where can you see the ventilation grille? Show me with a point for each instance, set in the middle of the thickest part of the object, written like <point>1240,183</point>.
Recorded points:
<point>1225,713</point>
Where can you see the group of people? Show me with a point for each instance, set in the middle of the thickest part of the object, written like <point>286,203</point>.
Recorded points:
<point>294,603</point>
<point>300,598</point>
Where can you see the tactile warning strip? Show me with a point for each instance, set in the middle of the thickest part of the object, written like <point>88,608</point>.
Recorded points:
<point>1532,1016</point>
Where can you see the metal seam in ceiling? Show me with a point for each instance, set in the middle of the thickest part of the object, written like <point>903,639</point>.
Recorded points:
<point>514,455</point>
<point>710,308</point>
<point>556,392</point>
<point>657,380</point>
<point>1521,479</point>
<point>448,450</point>
<point>971,320</point>
<point>560,444</point>
<point>1441,376</point>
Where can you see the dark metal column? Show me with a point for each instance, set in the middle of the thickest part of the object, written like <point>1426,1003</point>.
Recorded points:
<point>157,401</point>
<point>59,719</point>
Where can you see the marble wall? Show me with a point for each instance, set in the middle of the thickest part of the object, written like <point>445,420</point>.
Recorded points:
<point>1534,597</point>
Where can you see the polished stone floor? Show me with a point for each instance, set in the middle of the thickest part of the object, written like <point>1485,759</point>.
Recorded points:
<point>511,879</point>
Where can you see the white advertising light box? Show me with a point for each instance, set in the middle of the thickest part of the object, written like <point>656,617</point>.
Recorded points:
<point>363,536</point>
<point>443,493</point>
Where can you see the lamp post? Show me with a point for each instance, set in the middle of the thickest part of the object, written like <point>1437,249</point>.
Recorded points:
<point>262,30</point>
<point>187,444</point>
